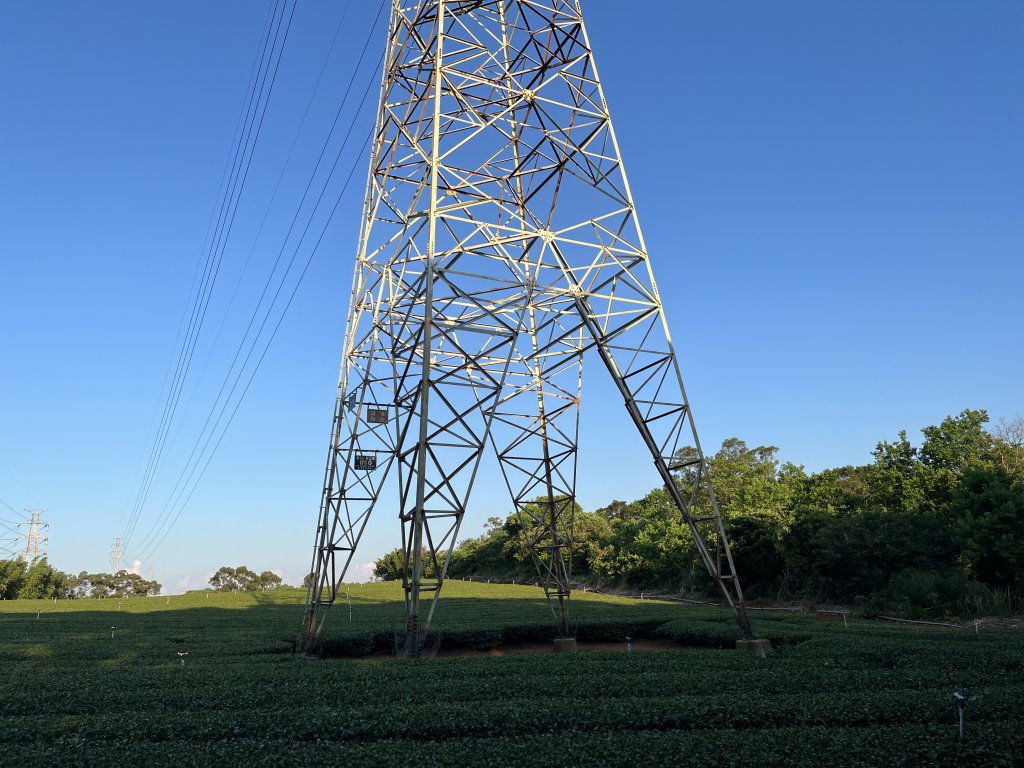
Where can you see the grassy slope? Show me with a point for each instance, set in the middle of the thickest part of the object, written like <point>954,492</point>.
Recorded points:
<point>869,695</point>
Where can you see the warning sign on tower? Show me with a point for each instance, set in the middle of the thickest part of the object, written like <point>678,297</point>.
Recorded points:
<point>366,462</point>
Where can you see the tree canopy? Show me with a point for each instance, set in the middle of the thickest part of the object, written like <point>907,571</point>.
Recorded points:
<point>241,579</point>
<point>22,580</point>
<point>935,527</point>
<point>120,584</point>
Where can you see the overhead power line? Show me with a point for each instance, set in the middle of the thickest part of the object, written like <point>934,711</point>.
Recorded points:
<point>9,506</point>
<point>254,110</point>
<point>194,484</point>
<point>13,476</point>
<point>212,434</point>
<point>273,199</point>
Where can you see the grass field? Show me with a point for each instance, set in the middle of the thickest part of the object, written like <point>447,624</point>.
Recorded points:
<point>869,694</point>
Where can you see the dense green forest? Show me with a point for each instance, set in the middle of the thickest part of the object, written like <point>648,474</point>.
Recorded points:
<point>930,530</point>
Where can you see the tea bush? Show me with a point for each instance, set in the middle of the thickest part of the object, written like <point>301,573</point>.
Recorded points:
<point>866,694</point>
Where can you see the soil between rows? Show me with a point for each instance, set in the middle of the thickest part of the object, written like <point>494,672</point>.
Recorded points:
<point>638,645</point>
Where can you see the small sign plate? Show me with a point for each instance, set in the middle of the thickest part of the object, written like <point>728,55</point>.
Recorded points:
<point>377,416</point>
<point>366,462</point>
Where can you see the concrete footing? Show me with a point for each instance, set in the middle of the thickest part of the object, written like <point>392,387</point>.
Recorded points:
<point>565,645</point>
<point>755,646</point>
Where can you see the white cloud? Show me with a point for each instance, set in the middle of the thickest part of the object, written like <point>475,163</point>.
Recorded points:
<point>361,573</point>
<point>191,582</point>
<point>136,568</point>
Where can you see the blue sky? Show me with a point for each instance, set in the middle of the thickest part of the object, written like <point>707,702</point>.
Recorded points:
<point>835,190</point>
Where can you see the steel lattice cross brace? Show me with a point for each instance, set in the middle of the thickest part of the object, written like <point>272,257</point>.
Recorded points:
<point>499,244</point>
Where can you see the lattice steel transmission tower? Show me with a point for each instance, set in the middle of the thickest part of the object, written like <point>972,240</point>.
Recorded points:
<point>499,244</point>
<point>115,554</point>
<point>32,536</point>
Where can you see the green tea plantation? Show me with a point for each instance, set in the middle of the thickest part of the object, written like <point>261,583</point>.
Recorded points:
<point>205,679</point>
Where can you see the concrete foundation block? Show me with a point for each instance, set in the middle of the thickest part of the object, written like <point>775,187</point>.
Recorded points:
<point>565,645</point>
<point>756,646</point>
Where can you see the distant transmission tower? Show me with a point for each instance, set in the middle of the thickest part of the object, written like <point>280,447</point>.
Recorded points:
<point>115,555</point>
<point>32,537</point>
<point>499,244</point>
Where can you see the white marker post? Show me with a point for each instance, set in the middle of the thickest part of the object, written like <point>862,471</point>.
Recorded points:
<point>962,700</point>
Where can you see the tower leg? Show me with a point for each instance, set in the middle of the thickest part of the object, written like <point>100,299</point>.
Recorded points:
<point>649,381</point>
<point>540,415</point>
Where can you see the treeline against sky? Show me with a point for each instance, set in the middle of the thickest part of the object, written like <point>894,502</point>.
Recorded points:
<point>38,580</point>
<point>928,531</point>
